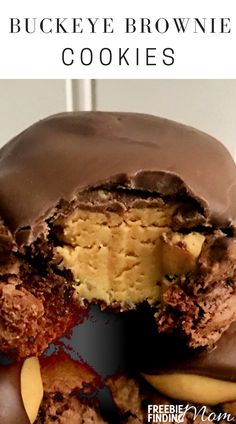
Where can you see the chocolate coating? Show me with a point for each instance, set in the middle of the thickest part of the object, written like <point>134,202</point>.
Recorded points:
<point>66,153</point>
<point>12,409</point>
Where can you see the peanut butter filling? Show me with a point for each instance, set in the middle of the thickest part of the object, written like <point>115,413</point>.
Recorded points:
<point>125,257</point>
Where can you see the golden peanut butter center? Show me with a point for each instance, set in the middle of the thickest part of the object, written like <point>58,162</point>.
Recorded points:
<point>124,257</point>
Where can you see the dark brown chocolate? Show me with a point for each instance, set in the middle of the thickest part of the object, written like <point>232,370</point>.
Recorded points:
<point>12,409</point>
<point>165,354</point>
<point>202,307</point>
<point>57,157</point>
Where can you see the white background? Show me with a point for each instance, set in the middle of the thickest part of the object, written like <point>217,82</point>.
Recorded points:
<point>39,55</point>
<point>209,105</point>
